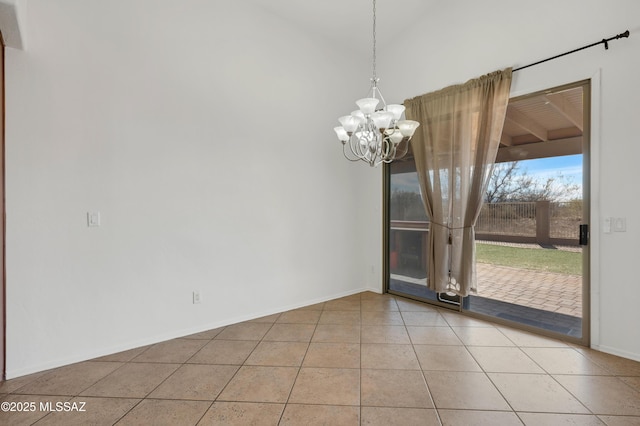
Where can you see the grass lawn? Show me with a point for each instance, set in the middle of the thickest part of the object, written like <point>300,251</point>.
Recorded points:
<point>550,260</point>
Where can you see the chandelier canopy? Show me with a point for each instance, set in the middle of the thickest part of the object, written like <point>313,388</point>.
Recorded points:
<point>375,133</point>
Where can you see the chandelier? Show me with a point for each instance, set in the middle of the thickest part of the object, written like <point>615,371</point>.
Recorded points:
<point>375,133</point>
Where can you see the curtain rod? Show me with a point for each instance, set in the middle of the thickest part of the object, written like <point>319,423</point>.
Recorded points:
<point>604,41</point>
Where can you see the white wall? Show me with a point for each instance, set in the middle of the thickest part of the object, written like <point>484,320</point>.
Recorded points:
<point>463,40</point>
<point>202,135</point>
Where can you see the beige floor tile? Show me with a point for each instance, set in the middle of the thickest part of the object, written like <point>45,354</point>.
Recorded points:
<point>224,352</point>
<point>372,295</point>
<point>390,416</point>
<point>284,354</point>
<point>334,333</point>
<point>455,319</point>
<point>464,390</point>
<point>381,318</point>
<point>161,412</point>
<point>70,380</point>
<point>331,386</point>
<point>27,418</point>
<point>124,356</point>
<point>336,355</point>
<point>316,415</point>
<point>260,384</point>
<point>614,364</point>
<point>474,336</point>
<point>97,411</point>
<point>433,336</point>
<point>424,319</point>
<point>363,360</point>
<point>603,395</point>
<point>388,357</point>
<point>620,420</point>
<point>172,351</point>
<point>536,393</point>
<point>205,335</point>
<point>524,339</point>
<point>133,380</point>
<point>379,304</point>
<point>563,361</point>
<point>340,317</point>
<point>408,305</point>
<point>479,418</point>
<point>342,305</point>
<point>394,388</point>
<point>504,360</point>
<point>546,419</point>
<point>195,382</point>
<point>445,358</point>
<point>242,414</point>
<point>245,331</point>
<point>391,334</point>
<point>291,332</point>
<point>634,382</point>
<point>12,385</point>
<point>300,316</point>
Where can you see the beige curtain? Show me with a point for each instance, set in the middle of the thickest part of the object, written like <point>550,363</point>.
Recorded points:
<point>454,150</point>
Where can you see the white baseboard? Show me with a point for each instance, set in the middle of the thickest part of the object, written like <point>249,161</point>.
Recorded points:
<point>617,352</point>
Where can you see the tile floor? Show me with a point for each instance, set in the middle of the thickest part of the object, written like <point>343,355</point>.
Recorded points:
<point>365,359</point>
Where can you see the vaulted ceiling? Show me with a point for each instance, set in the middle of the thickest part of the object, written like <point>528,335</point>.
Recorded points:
<point>348,23</point>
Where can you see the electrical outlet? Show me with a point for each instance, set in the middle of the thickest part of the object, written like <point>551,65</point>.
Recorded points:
<point>196,297</point>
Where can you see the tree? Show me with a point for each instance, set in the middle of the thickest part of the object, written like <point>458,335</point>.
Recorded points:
<point>508,184</point>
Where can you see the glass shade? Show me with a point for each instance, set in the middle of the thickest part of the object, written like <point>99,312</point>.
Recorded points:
<point>382,119</point>
<point>396,110</point>
<point>342,133</point>
<point>395,136</point>
<point>367,105</point>
<point>408,127</point>
<point>358,114</point>
<point>349,123</point>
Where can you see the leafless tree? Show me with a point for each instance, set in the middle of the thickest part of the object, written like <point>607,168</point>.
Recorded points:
<point>507,183</point>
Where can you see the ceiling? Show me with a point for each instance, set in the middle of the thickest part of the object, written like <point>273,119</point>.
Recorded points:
<point>349,23</point>
<point>537,126</point>
<point>543,125</point>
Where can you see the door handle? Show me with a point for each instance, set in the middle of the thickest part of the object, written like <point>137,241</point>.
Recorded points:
<point>584,234</point>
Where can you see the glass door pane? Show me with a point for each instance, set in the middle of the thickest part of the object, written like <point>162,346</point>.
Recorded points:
<point>530,261</point>
<point>408,233</point>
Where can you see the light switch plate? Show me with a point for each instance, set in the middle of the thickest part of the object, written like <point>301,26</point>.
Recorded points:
<point>620,224</point>
<point>93,219</point>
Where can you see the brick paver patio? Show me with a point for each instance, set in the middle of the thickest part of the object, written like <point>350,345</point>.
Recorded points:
<point>549,291</point>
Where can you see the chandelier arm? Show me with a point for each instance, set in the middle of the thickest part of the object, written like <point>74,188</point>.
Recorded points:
<point>356,147</point>
<point>344,152</point>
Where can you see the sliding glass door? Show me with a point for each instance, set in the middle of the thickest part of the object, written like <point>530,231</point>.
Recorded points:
<point>532,234</point>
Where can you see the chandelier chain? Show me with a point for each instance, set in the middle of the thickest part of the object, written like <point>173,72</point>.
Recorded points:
<point>375,77</point>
